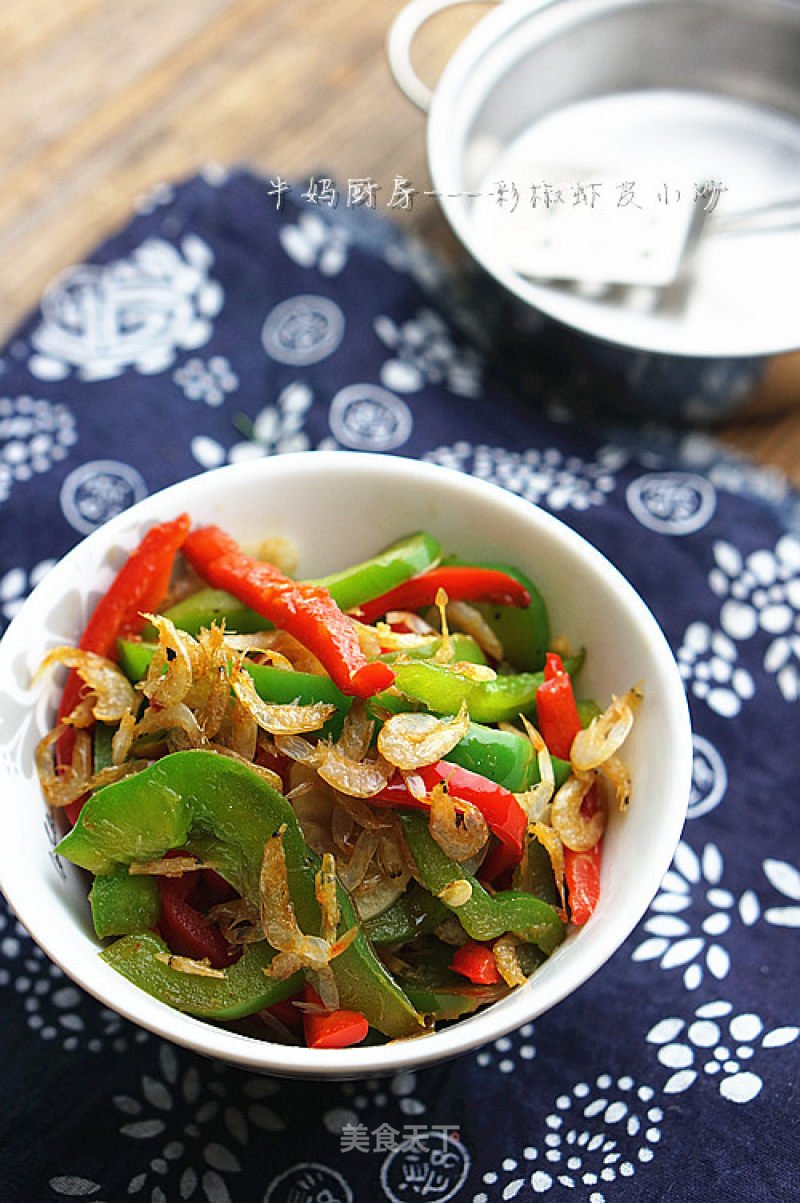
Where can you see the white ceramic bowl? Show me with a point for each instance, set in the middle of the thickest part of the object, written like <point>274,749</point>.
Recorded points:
<point>340,507</point>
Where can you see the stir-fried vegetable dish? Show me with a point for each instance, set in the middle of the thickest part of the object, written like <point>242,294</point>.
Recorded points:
<point>329,811</point>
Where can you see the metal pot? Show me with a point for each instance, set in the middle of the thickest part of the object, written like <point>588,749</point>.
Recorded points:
<point>628,171</point>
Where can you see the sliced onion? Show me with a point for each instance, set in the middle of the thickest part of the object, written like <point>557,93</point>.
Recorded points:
<point>575,830</point>
<point>413,739</point>
<point>415,623</point>
<point>391,640</point>
<point>313,804</point>
<point>605,734</point>
<point>468,618</point>
<point>551,842</point>
<point>373,897</point>
<point>545,761</point>
<point>450,931</point>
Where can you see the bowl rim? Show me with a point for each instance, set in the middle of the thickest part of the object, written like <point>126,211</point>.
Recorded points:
<point>520,1006</point>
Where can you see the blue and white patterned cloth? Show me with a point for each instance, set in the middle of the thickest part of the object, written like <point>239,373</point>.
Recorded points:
<point>217,327</point>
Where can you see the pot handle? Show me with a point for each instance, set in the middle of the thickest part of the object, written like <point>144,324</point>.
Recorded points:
<point>404,29</point>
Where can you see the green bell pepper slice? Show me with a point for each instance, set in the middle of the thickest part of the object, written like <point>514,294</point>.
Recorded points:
<point>484,916</point>
<point>245,988</point>
<point>400,561</point>
<point>208,606</point>
<point>524,633</point>
<point>441,1004</point>
<point>143,816</point>
<point>415,913</point>
<point>443,690</point>
<point>122,904</point>
<point>505,757</point>
<point>465,649</point>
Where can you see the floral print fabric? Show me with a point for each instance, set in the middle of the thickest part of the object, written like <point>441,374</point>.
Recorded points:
<point>221,326</point>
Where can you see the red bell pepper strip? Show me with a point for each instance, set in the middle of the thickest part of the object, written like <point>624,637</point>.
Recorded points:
<point>582,870</point>
<point>556,712</point>
<point>333,1029</point>
<point>185,929</point>
<point>582,874</point>
<point>503,814</point>
<point>460,583</point>
<point>476,962</point>
<point>306,611</point>
<point>139,587</point>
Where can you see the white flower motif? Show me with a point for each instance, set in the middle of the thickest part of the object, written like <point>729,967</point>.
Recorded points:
<point>371,1093</point>
<point>210,1125</point>
<point>209,380</point>
<point>705,1046</point>
<point>693,943</point>
<point>16,584</point>
<point>72,1186</point>
<point>509,1051</point>
<point>546,475</point>
<point>136,312</point>
<point>761,592</point>
<point>785,878</point>
<point>708,663</point>
<point>55,1009</point>
<point>34,435</point>
<point>412,256</point>
<point>313,242</point>
<point>276,429</point>
<point>597,1134</point>
<point>424,353</point>
<point>709,778</point>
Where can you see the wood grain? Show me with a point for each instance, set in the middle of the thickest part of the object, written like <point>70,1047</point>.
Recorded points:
<point>101,101</point>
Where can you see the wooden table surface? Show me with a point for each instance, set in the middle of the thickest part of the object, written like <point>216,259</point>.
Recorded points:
<point>102,99</point>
